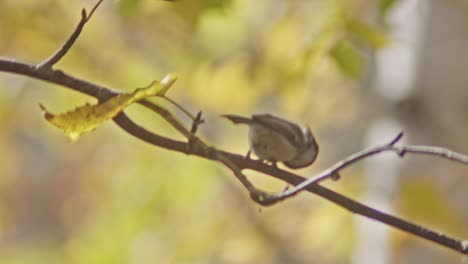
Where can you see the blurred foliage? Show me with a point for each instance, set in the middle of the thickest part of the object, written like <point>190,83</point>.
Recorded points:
<point>385,6</point>
<point>114,199</point>
<point>369,35</point>
<point>348,59</point>
<point>418,197</point>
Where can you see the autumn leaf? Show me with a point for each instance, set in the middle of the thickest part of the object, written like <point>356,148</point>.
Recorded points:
<point>166,83</point>
<point>86,118</point>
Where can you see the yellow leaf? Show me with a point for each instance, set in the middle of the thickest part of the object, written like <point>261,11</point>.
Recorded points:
<point>166,83</point>
<point>86,118</point>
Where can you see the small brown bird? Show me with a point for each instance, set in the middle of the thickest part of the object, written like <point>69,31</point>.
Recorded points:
<point>275,139</point>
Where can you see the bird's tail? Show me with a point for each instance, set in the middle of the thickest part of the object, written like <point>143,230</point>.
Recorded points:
<point>238,119</point>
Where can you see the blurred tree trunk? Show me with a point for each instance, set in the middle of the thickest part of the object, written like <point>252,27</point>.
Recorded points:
<point>421,83</point>
<point>436,113</point>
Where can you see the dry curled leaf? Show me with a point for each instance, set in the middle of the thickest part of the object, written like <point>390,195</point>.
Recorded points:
<point>86,118</point>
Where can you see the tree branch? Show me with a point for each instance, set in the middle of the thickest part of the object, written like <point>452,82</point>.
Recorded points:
<point>333,170</point>
<point>237,163</point>
<point>48,63</point>
<point>200,149</point>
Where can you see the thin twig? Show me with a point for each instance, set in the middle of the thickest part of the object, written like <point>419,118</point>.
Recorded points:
<point>434,151</point>
<point>93,9</point>
<point>396,139</point>
<point>167,116</point>
<point>196,123</point>
<point>187,113</point>
<point>257,195</point>
<point>333,170</point>
<point>401,151</point>
<point>48,63</point>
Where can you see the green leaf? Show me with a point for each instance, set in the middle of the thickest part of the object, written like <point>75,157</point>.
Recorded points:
<point>348,59</point>
<point>366,33</point>
<point>385,6</point>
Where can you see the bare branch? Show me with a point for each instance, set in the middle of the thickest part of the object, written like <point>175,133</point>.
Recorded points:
<point>333,170</point>
<point>124,122</point>
<point>48,63</point>
<point>196,123</point>
<point>255,193</point>
<point>93,9</point>
<point>433,151</point>
<point>167,116</point>
<point>401,151</point>
<point>187,113</point>
<point>196,120</point>
<point>396,139</point>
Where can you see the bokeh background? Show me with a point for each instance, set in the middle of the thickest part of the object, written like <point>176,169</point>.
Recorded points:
<point>357,72</point>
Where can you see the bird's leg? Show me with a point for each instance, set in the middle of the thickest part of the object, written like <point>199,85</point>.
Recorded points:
<point>247,156</point>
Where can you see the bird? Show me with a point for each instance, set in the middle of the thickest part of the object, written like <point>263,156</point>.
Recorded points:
<point>274,139</point>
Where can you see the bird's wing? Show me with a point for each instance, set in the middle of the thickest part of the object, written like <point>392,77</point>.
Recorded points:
<point>292,131</point>
<point>238,119</point>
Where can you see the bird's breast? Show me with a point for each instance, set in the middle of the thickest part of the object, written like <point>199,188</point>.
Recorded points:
<point>270,145</point>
